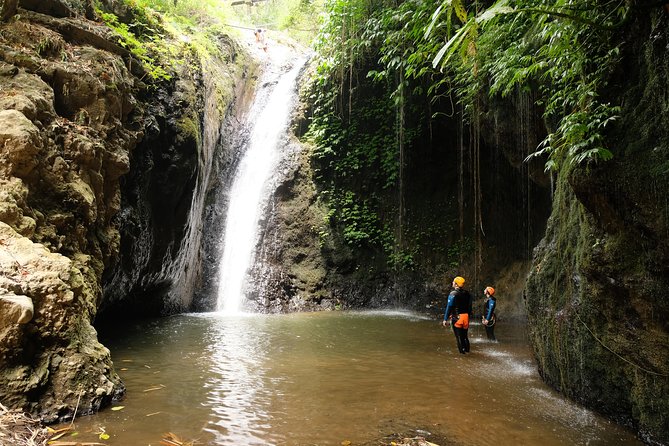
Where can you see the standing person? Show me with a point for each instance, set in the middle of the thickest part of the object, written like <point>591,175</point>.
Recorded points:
<point>458,311</point>
<point>488,319</point>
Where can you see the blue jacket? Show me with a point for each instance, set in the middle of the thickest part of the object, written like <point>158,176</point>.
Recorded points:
<point>459,302</point>
<point>489,307</point>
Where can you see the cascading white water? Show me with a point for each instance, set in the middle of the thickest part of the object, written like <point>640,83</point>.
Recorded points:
<point>183,269</point>
<point>270,114</point>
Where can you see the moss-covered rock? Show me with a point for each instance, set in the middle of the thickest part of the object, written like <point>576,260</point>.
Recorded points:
<point>596,295</point>
<point>65,144</point>
<point>83,140</point>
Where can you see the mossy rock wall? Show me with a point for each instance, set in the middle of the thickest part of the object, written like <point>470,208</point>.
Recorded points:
<point>596,297</point>
<point>99,167</point>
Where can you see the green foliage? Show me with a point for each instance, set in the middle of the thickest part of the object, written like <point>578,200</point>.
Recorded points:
<point>187,12</point>
<point>358,222</point>
<point>566,51</point>
<point>458,250</point>
<point>300,19</point>
<point>376,57</point>
<point>141,50</point>
<point>355,126</point>
<point>165,35</point>
<point>579,137</point>
<point>398,34</point>
<point>402,260</point>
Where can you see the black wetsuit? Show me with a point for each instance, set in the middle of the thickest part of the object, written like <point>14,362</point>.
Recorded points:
<point>459,308</point>
<point>489,314</point>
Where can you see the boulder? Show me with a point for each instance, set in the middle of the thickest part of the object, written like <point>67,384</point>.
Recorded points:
<point>15,309</point>
<point>19,143</point>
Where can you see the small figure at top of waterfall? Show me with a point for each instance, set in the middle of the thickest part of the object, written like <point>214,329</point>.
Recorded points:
<point>458,311</point>
<point>259,35</point>
<point>260,38</point>
<point>488,319</point>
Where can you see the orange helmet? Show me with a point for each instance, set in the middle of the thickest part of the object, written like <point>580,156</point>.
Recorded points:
<point>459,281</point>
<point>490,290</point>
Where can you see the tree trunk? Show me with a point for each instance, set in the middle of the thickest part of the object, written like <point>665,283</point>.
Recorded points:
<point>8,9</point>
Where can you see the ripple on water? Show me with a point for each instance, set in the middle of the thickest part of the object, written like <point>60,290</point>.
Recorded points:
<point>391,313</point>
<point>563,410</point>
<point>331,377</point>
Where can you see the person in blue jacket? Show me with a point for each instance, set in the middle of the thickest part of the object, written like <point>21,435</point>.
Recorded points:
<point>458,311</point>
<point>489,319</point>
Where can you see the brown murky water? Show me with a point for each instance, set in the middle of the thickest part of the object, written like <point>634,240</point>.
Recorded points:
<point>324,378</point>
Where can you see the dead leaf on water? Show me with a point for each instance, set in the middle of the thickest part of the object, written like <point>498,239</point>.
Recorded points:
<point>172,439</point>
<point>117,407</point>
<point>57,436</point>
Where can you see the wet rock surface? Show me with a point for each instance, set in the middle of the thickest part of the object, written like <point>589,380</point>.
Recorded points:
<point>65,142</point>
<point>596,294</point>
<point>97,175</point>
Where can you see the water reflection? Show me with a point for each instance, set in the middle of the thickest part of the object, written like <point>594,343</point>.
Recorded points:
<point>325,378</point>
<point>236,392</point>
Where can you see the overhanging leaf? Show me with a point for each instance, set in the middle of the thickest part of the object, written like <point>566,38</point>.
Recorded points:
<point>460,10</point>
<point>435,16</point>
<point>498,9</point>
<point>452,45</point>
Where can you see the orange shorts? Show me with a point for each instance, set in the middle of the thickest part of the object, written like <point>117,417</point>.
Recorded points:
<point>463,321</point>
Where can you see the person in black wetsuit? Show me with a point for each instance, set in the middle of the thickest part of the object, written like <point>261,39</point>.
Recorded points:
<point>458,311</point>
<point>488,319</point>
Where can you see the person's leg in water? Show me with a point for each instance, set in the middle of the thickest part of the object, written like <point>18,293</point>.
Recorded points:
<point>465,339</point>
<point>458,338</point>
<point>490,332</point>
<point>462,325</point>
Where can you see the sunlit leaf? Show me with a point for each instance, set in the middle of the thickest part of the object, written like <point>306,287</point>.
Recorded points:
<point>435,16</point>
<point>460,10</point>
<point>452,45</point>
<point>499,8</point>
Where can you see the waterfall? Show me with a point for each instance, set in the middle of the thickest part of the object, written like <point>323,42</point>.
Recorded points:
<point>182,270</point>
<point>269,118</point>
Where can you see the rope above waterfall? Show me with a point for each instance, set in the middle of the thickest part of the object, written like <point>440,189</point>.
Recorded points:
<point>266,27</point>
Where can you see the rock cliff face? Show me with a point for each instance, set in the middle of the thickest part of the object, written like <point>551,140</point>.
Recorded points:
<point>98,178</point>
<point>184,155</point>
<point>66,136</point>
<point>306,264</point>
<point>596,296</point>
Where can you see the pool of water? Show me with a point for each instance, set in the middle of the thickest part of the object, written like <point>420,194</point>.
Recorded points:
<point>330,377</point>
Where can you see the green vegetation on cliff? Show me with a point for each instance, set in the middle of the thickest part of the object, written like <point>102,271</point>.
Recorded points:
<point>386,79</point>
<point>443,80</point>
